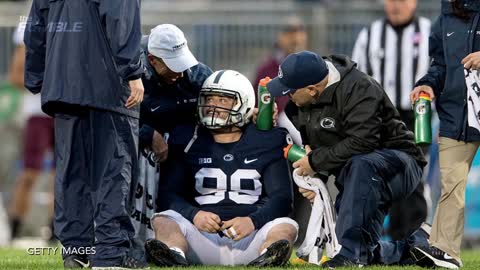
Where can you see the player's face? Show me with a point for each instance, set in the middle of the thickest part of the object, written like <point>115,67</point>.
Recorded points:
<point>399,12</point>
<point>218,106</point>
<point>168,76</point>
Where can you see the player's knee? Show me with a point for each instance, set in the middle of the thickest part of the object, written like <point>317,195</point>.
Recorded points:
<point>285,231</point>
<point>164,224</point>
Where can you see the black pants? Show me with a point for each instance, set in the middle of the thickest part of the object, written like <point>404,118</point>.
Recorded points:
<point>368,185</point>
<point>96,161</point>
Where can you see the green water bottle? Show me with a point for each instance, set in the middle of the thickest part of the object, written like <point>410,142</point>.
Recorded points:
<point>293,152</point>
<point>423,115</point>
<point>265,106</point>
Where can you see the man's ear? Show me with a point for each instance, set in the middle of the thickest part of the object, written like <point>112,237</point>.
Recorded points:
<point>312,90</point>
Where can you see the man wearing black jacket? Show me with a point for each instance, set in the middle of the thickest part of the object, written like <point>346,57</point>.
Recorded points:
<point>172,79</point>
<point>83,57</point>
<point>353,131</point>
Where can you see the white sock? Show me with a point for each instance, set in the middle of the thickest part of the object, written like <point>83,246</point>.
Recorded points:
<point>179,251</point>
<point>263,251</point>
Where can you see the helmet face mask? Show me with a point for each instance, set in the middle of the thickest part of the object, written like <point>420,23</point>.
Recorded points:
<point>214,111</point>
<point>214,116</point>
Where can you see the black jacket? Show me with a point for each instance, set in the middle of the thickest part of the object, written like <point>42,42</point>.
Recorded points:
<point>82,53</point>
<point>451,40</point>
<point>353,116</point>
<point>166,106</point>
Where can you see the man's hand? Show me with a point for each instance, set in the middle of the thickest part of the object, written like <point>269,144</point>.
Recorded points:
<point>472,61</point>
<point>419,89</point>
<point>275,115</point>
<point>304,165</point>
<point>207,221</point>
<point>308,194</point>
<point>238,228</point>
<point>136,94</point>
<point>159,147</point>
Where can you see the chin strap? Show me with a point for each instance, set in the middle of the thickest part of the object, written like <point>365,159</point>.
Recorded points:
<point>192,140</point>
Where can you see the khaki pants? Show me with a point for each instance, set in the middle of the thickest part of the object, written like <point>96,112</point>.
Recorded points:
<point>455,161</point>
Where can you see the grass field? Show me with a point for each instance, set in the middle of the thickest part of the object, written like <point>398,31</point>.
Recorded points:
<point>20,259</point>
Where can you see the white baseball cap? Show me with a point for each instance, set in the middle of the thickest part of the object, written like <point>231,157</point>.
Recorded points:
<point>168,43</point>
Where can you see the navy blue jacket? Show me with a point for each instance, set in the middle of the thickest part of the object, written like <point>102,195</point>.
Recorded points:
<point>451,40</point>
<point>166,106</point>
<point>83,53</point>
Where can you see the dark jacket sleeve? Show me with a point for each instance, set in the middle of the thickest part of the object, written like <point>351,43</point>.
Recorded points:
<point>172,193</point>
<point>146,136</point>
<point>198,75</point>
<point>123,30</point>
<point>362,130</point>
<point>35,46</point>
<point>436,74</point>
<point>278,189</point>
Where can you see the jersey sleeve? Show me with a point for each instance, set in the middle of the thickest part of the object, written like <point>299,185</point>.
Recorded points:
<point>175,188</point>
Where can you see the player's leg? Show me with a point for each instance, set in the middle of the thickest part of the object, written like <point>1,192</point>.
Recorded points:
<point>35,143</point>
<point>271,245</point>
<point>73,203</point>
<point>179,234</point>
<point>170,245</point>
<point>169,232</point>
<point>448,225</point>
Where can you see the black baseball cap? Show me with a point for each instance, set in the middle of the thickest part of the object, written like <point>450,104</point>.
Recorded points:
<point>297,71</point>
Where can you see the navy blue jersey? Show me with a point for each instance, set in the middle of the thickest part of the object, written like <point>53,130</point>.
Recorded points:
<point>246,178</point>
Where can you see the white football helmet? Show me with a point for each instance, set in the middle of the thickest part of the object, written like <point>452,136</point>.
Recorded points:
<point>232,84</point>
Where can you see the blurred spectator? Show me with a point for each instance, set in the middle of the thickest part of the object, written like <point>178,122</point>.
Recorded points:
<point>394,51</point>
<point>292,38</point>
<point>38,139</point>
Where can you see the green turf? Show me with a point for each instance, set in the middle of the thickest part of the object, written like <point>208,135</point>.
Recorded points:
<point>20,259</point>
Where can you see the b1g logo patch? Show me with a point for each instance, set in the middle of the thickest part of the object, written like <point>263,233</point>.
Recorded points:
<point>204,161</point>
<point>421,109</point>
<point>327,122</point>
<point>265,98</point>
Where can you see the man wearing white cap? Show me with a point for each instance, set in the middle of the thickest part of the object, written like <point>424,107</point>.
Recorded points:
<point>172,80</point>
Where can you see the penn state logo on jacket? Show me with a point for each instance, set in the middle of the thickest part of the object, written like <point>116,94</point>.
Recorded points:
<point>327,122</point>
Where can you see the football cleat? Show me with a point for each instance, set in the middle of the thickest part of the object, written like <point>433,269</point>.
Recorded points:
<point>340,261</point>
<point>277,254</point>
<point>161,255</point>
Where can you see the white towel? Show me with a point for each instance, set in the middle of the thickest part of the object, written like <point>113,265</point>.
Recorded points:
<point>321,226</point>
<point>472,79</point>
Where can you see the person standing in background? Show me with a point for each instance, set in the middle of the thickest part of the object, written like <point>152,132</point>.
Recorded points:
<point>394,51</point>
<point>38,139</point>
<point>454,48</point>
<point>292,38</point>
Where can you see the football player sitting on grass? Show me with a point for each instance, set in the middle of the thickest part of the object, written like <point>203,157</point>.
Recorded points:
<point>228,193</point>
